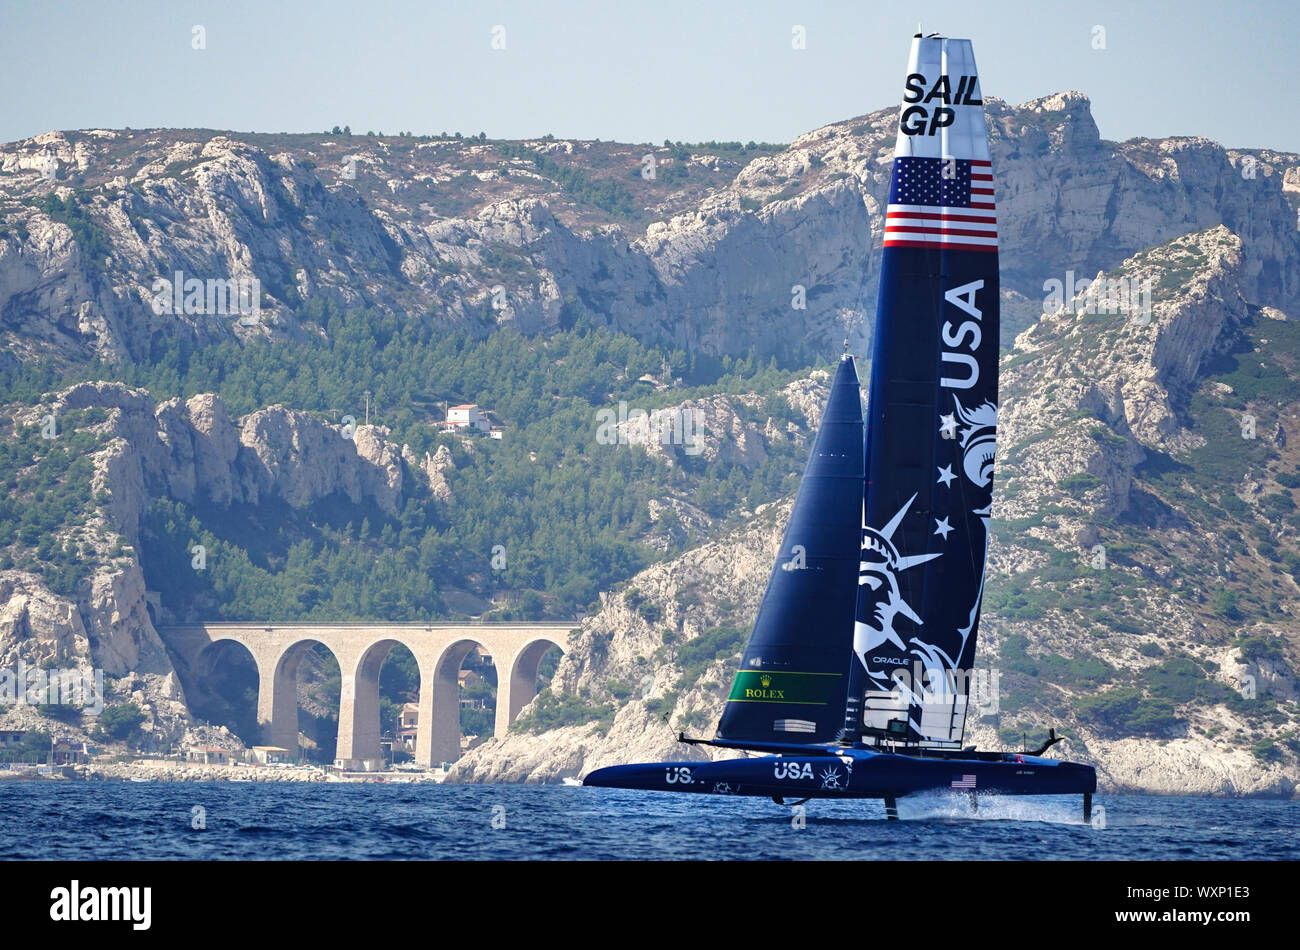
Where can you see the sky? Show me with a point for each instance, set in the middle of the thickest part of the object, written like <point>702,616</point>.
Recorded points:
<point>631,71</point>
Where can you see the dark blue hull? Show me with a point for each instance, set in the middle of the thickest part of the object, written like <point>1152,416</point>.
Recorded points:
<point>854,773</point>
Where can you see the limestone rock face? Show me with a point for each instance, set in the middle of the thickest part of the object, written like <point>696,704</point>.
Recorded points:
<point>760,258</point>
<point>36,625</point>
<point>122,635</point>
<point>776,254</point>
<point>1126,370</point>
<point>433,467</point>
<point>194,452</point>
<point>175,436</point>
<point>216,446</point>
<point>1193,766</point>
<point>295,456</point>
<point>719,428</point>
<point>808,396</point>
<point>108,632</point>
<point>709,428</point>
<point>381,466</point>
<point>191,452</point>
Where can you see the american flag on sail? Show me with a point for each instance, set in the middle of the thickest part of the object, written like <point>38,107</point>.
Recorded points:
<point>966,781</point>
<point>944,203</point>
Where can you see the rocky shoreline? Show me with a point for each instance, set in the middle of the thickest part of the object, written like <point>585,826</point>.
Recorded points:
<point>154,770</point>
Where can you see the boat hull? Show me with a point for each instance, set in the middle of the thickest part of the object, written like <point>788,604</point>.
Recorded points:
<point>854,774</point>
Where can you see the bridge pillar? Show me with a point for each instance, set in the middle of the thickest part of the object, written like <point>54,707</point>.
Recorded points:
<point>424,724</point>
<point>277,697</point>
<point>359,727</point>
<point>439,649</point>
<point>443,724</point>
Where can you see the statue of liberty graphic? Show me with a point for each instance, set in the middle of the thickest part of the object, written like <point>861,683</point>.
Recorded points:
<point>878,644</point>
<point>882,602</point>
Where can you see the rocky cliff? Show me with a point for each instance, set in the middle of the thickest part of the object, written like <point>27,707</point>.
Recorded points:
<point>475,235</point>
<point>192,451</point>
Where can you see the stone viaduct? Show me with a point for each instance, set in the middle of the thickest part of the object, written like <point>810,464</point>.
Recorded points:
<point>360,649</point>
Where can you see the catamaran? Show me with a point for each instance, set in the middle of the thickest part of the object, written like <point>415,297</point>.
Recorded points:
<point>858,675</point>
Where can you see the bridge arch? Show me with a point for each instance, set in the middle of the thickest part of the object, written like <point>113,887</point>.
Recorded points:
<point>278,697</point>
<point>522,677</point>
<point>224,671</point>
<point>359,725</point>
<point>441,723</point>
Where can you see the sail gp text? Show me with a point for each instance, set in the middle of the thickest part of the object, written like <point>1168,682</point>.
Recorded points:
<point>925,119</point>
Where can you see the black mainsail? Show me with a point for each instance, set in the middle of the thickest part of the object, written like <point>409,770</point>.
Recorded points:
<point>793,678</point>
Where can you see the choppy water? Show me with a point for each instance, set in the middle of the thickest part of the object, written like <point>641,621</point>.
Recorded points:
<point>112,820</point>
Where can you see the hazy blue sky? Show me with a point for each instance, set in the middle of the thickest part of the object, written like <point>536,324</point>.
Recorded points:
<point>632,71</point>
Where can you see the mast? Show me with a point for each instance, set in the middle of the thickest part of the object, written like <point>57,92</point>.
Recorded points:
<point>932,413</point>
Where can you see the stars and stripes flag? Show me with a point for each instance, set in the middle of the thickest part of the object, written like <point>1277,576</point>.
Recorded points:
<point>966,781</point>
<point>944,203</point>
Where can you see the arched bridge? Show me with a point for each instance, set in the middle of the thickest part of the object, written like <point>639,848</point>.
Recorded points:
<point>360,649</point>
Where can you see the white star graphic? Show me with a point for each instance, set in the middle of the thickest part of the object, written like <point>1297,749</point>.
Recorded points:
<point>948,426</point>
<point>946,475</point>
<point>942,527</point>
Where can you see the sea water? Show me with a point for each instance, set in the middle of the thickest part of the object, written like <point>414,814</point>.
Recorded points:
<point>218,820</point>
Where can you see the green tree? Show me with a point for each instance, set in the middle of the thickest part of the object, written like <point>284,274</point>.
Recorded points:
<point>120,721</point>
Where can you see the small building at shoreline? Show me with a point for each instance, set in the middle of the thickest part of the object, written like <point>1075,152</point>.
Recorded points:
<point>271,755</point>
<point>209,755</point>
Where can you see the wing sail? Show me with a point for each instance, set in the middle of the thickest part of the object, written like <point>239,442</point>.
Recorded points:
<point>932,411</point>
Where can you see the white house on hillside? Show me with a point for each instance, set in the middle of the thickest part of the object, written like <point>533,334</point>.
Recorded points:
<point>468,416</point>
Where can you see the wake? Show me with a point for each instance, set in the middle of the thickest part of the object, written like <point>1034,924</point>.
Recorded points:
<point>943,806</point>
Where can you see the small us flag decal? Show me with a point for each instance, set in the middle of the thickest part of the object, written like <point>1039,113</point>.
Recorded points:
<point>966,781</point>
